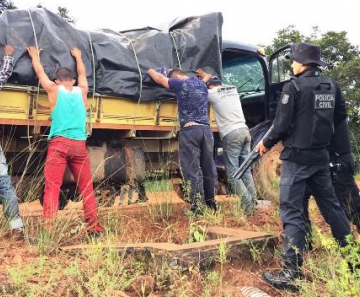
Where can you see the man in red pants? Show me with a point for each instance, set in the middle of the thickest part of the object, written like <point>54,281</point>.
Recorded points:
<point>67,137</point>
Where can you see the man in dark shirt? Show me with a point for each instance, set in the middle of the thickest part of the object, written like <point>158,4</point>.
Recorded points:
<point>310,106</point>
<point>196,140</point>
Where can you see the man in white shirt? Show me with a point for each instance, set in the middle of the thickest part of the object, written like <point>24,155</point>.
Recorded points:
<point>235,136</point>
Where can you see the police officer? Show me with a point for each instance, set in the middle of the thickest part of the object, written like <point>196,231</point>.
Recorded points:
<point>310,106</point>
<point>342,167</point>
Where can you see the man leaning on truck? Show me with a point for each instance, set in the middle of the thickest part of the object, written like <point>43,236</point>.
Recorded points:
<point>235,136</point>
<point>67,138</point>
<point>7,191</point>
<point>196,141</point>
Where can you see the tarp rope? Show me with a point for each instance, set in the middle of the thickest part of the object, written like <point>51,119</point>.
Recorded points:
<point>89,124</point>
<point>38,86</point>
<point>179,63</point>
<point>140,75</point>
<point>31,148</point>
<point>176,48</point>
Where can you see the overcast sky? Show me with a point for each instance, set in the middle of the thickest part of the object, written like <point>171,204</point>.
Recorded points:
<point>254,22</point>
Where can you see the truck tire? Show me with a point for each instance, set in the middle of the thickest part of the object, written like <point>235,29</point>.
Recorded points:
<point>266,174</point>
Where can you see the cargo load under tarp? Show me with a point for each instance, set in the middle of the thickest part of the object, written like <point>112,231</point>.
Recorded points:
<point>115,61</point>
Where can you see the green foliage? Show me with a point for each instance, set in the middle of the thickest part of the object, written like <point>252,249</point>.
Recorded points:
<point>329,271</point>
<point>5,5</point>
<point>336,48</point>
<point>285,36</point>
<point>343,60</point>
<point>197,232</point>
<point>64,13</point>
<point>158,185</point>
<point>347,74</point>
<point>210,283</point>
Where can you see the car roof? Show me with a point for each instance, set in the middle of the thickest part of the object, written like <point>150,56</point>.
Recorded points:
<point>230,44</point>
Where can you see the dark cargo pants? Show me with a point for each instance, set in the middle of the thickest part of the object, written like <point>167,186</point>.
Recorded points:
<point>294,178</point>
<point>196,145</point>
<point>347,192</point>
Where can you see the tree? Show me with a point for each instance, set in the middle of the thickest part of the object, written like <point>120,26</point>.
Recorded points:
<point>343,65</point>
<point>285,36</point>
<point>64,13</point>
<point>5,5</point>
<point>336,48</point>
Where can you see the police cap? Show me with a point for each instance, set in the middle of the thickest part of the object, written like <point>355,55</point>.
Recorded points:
<point>307,53</point>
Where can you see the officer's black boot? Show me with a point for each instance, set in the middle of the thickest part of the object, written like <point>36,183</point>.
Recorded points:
<point>285,279</point>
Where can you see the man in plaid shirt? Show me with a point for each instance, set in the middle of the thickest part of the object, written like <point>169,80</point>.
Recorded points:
<point>7,191</point>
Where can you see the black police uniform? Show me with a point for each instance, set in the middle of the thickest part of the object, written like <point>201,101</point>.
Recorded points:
<point>310,106</point>
<point>342,167</point>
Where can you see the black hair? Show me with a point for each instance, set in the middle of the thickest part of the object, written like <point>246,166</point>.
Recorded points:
<point>176,72</point>
<point>312,65</point>
<point>64,74</point>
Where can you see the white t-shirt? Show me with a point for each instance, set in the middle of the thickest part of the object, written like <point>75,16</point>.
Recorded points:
<point>227,108</point>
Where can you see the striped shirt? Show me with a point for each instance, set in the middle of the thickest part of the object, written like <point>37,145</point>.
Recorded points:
<point>6,69</point>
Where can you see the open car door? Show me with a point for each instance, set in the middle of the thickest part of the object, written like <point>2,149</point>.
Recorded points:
<point>267,170</point>
<point>279,73</point>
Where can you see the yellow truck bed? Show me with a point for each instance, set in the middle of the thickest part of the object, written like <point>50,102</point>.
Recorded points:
<point>22,105</point>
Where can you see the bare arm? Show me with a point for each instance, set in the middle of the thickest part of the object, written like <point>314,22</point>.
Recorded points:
<point>49,86</point>
<point>159,78</point>
<point>81,72</point>
<point>205,77</point>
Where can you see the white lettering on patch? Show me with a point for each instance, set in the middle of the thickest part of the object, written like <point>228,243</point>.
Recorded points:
<point>324,101</point>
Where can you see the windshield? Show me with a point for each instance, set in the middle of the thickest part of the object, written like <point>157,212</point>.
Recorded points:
<point>245,72</point>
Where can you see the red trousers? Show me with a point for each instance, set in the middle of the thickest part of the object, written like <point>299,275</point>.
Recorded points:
<point>62,152</point>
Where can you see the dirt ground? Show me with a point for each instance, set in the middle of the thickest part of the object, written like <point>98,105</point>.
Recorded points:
<point>162,219</point>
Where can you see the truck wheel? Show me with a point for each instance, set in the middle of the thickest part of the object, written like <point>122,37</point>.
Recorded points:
<point>266,174</point>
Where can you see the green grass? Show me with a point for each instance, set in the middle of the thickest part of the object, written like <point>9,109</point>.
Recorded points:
<point>43,269</point>
<point>158,185</point>
<point>357,176</point>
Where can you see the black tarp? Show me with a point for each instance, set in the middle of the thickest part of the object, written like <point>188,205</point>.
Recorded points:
<point>120,58</point>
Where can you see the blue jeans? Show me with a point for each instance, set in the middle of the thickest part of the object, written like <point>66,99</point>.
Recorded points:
<point>8,196</point>
<point>236,146</point>
<point>130,189</point>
